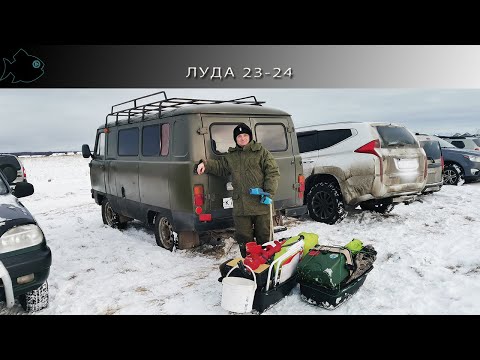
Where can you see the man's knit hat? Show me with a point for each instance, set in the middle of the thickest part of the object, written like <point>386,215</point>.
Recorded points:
<point>242,129</point>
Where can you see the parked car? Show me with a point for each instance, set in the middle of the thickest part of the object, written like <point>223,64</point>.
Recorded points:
<point>461,165</point>
<point>12,168</point>
<point>374,165</point>
<point>435,163</point>
<point>25,258</point>
<point>142,164</point>
<point>462,142</point>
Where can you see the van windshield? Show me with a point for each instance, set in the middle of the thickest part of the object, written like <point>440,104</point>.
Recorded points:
<point>395,136</point>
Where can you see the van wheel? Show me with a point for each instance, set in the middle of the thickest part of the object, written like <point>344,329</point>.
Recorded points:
<point>325,203</point>
<point>35,300</point>
<point>382,208</point>
<point>110,217</point>
<point>453,175</point>
<point>164,233</point>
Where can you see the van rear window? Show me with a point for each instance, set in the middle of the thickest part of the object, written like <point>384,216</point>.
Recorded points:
<point>432,149</point>
<point>272,136</point>
<point>222,137</point>
<point>395,136</point>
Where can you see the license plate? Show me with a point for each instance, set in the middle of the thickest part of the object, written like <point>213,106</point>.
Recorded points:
<point>227,203</point>
<point>407,164</point>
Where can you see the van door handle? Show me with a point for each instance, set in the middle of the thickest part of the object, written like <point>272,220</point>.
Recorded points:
<point>307,161</point>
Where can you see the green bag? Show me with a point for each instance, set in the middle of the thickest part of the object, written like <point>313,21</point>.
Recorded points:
<point>325,266</point>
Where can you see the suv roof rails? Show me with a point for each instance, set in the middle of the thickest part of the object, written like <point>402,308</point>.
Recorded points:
<point>167,104</point>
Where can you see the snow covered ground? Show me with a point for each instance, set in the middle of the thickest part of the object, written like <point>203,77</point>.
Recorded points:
<point>428,258</point>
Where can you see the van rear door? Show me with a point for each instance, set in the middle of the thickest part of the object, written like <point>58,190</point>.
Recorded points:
<point>275,134</point>
<point>403,160</point>
<point>97,165</point>
<point>217,131</point>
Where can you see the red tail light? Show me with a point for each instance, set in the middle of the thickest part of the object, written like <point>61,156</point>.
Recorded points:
<point>371,148</point>
<point>24,173</point>
<point>301,188</point>
<point>198,195</point>
<point>442,162</point>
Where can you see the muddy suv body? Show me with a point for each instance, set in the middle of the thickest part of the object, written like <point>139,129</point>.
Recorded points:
<point>374,165</point>
<point>142,166</point>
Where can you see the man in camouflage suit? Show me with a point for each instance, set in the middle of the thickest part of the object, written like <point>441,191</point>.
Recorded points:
<point>251,166</point>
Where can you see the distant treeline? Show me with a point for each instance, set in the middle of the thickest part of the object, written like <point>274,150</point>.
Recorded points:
<point>42,153</point>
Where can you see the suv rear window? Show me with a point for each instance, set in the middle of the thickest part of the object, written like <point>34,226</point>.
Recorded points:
<point>432,149</point>
<point>307,141</point>
<point>476,141</point>
<point>394,135</point>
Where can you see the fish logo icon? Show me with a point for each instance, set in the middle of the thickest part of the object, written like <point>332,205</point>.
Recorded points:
<point>23,68</point>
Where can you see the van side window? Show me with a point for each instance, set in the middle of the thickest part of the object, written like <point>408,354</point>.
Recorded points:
<point>151,140</point>
<point>307,141</point>
<point>221,136</point>
<point>272,136</point>
<point>100,145</point>
<point>128,142</point>
<point>165,139</point>
<point>327,138</point>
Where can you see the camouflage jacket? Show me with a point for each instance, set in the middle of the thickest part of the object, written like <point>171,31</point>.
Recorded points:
<point>251,166</point>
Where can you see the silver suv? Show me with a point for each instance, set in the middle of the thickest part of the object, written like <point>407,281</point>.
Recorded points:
<point>374,165</point>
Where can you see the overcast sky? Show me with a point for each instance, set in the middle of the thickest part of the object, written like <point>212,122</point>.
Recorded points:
<point>64,119</point>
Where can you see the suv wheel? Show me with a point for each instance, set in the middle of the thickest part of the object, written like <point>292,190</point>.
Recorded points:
<point>110,217</point>
<point>325,203</point>
<point>453,175</point>
<point>164,233</point>
<point>382,208</point>
<point>35,300</point>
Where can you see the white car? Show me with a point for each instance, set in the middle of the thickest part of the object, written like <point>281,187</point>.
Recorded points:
<point>470,143</point>
<point>374,165</point>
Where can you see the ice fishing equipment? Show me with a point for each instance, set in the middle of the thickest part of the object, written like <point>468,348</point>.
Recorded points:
<point>259,254</point>
<point>238,292</point>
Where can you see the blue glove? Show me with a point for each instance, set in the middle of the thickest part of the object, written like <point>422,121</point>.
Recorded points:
<point>258,191</point>
<point>266,200</point>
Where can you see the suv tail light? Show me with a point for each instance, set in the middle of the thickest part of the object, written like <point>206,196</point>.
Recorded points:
<point>301,188</point>
<point>371,148</point>
<point>24,173</point>
<point>478,149</point>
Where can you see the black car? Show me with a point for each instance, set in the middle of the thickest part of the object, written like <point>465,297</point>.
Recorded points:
<point>25,258</point>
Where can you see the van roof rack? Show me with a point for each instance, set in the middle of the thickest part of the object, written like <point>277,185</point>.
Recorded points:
<point>167,104</point>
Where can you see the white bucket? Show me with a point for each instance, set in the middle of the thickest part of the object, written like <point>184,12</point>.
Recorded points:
<point>238,293</point>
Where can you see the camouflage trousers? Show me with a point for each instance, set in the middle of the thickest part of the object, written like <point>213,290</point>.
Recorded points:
<point>251,228</point>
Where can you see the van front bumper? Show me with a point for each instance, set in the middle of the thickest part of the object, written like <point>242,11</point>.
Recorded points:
<point>36,262</point>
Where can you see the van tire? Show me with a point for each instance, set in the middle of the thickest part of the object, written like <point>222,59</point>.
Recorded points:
<point>35,300</point>
<point>164,233</point>
<point>382,208</point>
<point>453,175</point>
<point>325,203</point>
<point>110,217</point>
